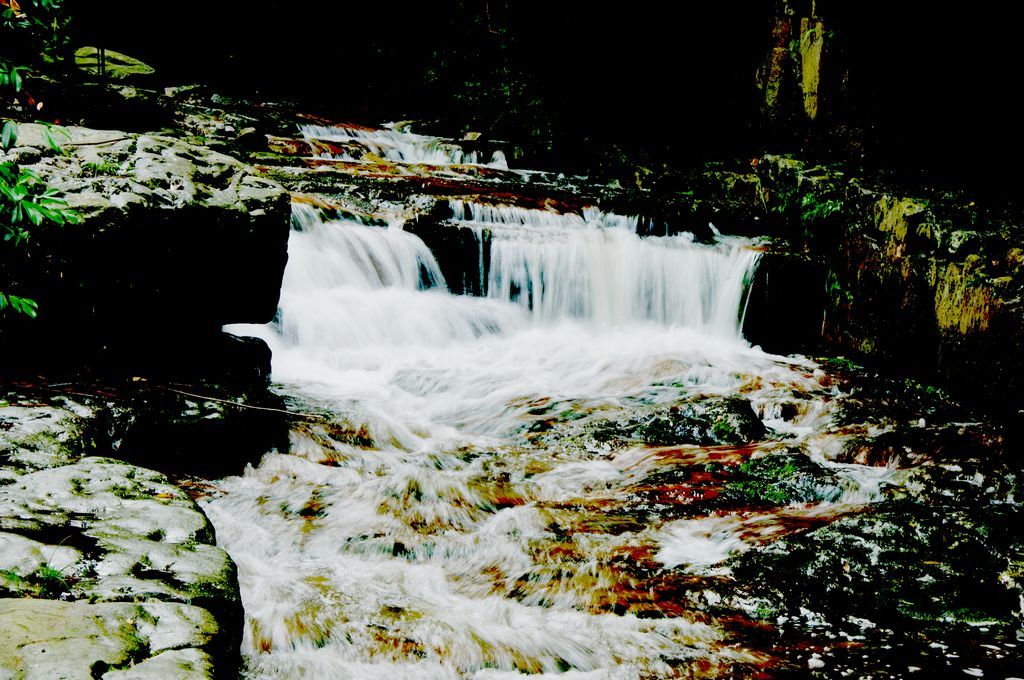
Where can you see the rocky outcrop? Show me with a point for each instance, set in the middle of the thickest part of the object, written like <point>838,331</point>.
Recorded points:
<point>927,282</point>
<point>705,422</point>
<point>169,230</point>
<point>174,241</point>
<point>106,569</point>
<point>50,640</point>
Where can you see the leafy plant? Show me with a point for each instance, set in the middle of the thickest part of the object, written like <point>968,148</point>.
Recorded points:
<point>26,202</point>
<point>50,582</point>
<point>43,24</point>
<point>53,134</point>
<point>11,76</point>
<point>816,209</point>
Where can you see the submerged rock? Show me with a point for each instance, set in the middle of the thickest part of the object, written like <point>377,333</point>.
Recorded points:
<point>779,479</point>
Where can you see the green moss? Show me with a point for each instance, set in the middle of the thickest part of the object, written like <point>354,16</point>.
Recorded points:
<point>136,646</point>
<point>816,209</point>
<point>764,480</point>
<point>842,363</point>
<point>723,429</point>
<point>765,612</point>
<point>143,615</point>
<point>204,591</point>
<point>127,492</point>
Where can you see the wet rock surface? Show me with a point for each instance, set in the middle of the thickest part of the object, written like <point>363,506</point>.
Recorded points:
<point>920,280</point>
<point>822,520</point>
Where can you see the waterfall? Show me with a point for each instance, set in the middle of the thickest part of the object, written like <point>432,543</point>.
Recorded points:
<point>350,284</point>
<point>595,266</point>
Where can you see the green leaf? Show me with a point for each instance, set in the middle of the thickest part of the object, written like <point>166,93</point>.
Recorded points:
<point>29,308</point>
<point>9,136</point>
<point>26,306</point>
<point>33,212</point>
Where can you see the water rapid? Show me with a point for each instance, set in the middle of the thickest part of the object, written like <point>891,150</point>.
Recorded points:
<point>453,514</point>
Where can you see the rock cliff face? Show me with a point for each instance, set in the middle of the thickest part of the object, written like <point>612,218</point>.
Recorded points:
<point>175,240</point>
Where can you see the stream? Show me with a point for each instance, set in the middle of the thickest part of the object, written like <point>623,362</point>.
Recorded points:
<point>556,477</point>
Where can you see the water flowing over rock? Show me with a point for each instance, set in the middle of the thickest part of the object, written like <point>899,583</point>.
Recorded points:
<point>546,445</point>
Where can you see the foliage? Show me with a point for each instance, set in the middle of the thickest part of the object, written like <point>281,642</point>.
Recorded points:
<point>817,209</point>
<point>50,582</point>
<point>26,202</point>
<point>11,77</point>
<point>39,25</point>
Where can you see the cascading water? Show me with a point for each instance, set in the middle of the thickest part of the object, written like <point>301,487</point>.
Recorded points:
<point>429,528</point>
<point>399,147</point>
<point>595,266</point>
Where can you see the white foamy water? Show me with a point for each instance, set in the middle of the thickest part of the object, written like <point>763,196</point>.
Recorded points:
<point>422,532</point>
<point>399,146</point>
<point>594,266</point>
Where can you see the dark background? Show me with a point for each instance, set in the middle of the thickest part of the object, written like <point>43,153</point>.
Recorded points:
<point>929,94</point>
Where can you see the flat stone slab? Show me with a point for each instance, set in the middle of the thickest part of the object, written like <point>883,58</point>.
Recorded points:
<point>52,640</point>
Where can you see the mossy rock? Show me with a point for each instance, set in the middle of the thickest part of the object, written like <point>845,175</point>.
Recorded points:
<point>900,564</point>
<point>704,422</point>
<point>48,639</point>
<point>779,479</point>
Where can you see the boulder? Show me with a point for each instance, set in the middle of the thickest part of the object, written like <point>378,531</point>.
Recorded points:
<point>174,241</point>
<point>82,530</point>
<point>168,230</point>
<point>898,564</point>
<point>705,422</point>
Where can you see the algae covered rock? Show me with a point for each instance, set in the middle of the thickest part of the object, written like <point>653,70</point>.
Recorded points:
<point>783,478</point>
